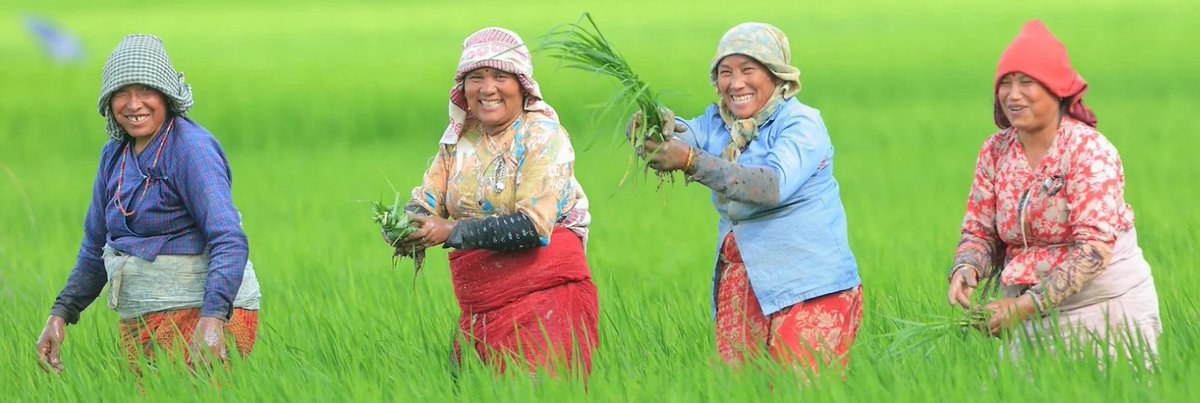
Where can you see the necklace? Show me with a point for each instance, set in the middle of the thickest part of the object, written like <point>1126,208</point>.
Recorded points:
<point>146,178</point>
<point>501,171</point>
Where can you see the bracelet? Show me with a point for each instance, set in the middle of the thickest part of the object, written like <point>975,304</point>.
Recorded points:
<point>959,266</point>
<point>1037,301</point>
<point>690,165</point>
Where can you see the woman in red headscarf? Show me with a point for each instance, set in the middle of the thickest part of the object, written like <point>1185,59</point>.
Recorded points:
<point>1046,211</point>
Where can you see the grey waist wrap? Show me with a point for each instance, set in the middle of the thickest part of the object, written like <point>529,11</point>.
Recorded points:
<point>137,287</point>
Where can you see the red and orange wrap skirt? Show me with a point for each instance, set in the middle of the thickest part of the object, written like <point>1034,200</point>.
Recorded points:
<point>820,328</point>
<point>536,307</point>
<point>172,330</point>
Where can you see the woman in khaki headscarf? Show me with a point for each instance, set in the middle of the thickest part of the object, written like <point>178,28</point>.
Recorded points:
<point>785,279</point>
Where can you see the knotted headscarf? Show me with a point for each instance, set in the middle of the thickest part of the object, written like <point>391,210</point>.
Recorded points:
<point>765,44</point>
<point>1037,53</point>
<point>141,59</point>
<point>499,49</point>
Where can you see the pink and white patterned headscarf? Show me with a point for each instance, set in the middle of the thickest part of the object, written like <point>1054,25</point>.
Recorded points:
<point>499,49</point>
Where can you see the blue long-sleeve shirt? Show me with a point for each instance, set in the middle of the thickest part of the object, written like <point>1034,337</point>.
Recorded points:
<point>795,249</point>
<point>186,209</point>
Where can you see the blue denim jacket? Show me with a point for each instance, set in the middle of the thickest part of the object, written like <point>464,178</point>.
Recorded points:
<point>795,250</point>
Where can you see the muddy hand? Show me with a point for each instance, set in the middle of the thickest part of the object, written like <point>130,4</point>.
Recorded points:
<point>208,341</point>
<point>48,344</point>
<point>669,155</point>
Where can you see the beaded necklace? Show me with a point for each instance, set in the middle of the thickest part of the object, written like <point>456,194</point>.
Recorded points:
<point>121,173</point>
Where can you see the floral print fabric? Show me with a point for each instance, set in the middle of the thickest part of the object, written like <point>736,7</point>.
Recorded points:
<point>822,327</point>
<point>528,169</point>
<point>1031,217</point>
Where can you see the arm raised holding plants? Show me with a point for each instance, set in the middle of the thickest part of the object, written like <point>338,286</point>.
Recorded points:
<point>768,160</point>
<point>752,185</point>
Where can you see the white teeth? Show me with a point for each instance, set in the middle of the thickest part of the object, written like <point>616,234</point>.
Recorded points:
<point>741,98</point>
<point>489,103</point>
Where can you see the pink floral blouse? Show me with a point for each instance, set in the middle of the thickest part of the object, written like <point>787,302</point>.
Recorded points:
<point>1029,218</point>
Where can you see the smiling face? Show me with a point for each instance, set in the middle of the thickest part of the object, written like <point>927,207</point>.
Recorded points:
<point>1029,106</point>
<point>745,85</point>
<point>139,109</point>
<point>494,96</point>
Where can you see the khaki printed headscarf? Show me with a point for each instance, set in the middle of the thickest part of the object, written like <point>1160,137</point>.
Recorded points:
<point>141,59</point>
<point>765,44</point>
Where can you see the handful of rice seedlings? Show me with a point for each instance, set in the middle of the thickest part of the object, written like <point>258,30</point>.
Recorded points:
<point>396,226</point>
<point>911,335</point>
<point>581,46</point>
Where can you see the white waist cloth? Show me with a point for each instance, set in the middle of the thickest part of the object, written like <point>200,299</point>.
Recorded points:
<point>1121,300</point>
<point>137,287</point>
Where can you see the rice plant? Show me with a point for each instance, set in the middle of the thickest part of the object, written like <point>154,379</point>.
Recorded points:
<point>914,335</point>
<point>901,99</point>
<point>397,225</point>
<point>582,46</point>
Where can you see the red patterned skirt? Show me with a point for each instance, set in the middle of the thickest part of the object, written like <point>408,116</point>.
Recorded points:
<point>172,331</point>
<point>822,327</point>
<point>537,307</point>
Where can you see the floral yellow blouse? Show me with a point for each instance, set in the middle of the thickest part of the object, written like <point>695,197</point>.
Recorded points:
<point>527,169</point>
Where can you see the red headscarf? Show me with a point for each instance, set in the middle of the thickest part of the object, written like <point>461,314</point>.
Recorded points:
<point>1037,53</point>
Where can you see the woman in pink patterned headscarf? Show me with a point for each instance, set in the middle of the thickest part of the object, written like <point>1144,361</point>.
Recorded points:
<point>502,192</point>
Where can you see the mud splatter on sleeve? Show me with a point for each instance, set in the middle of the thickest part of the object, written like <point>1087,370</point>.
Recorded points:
<point>755,185</point>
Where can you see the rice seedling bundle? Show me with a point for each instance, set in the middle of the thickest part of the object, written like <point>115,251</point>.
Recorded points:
<point>911,334</point>
<point>582,46</point>
<point>397,225</point>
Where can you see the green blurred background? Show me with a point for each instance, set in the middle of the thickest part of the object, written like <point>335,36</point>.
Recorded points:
<point>316,102</point>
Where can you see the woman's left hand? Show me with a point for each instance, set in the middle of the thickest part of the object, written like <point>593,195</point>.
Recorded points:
<point>433,231</point>
<point>669,155</point>
<point>208,341</point>
<point>1008,312</point>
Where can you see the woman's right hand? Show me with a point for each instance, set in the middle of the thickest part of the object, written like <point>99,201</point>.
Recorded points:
<point>49,342</point>
<point>962,284</point>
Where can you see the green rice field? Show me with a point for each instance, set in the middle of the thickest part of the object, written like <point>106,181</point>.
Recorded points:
<point>317,102</point>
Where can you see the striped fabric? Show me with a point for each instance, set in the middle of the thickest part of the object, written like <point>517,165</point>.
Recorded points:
<point>141,59</point>
<point>500,49</point>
